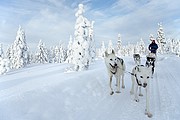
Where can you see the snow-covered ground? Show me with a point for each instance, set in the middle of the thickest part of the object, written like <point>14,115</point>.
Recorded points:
<point>48,92</point>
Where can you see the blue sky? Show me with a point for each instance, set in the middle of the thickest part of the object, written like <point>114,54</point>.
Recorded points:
<point>53,20</point>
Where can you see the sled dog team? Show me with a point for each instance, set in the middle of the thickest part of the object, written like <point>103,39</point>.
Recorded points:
<point>140,75</point>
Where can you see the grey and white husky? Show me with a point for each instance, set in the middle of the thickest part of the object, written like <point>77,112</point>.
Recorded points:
<point>140,79</point>
<point>115,67</point>
<point>137,58</point>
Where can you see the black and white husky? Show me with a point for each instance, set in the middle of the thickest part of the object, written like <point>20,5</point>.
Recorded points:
<point>150,61</point>
<point>115,67</point>
<point>137,59</point>
<point>140,79</point>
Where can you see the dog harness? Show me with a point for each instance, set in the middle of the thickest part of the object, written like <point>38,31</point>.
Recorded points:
<point>139,84</point>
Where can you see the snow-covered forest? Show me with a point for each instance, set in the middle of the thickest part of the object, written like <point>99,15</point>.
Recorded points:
<point>81,50</point>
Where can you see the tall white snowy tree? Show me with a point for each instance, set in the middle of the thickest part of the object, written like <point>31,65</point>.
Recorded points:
<point>142,48</point>
<point>102,50</point>
<point>119,42</point>
<point>92,42</point>
<point>83,41</point>
<point>119,45</point>
<point>19,50</point>
<point>56,56</point>
<point>151,37</point>
<point>4,63</point>
<point>42,53</point>
<point>110,47</point>
<point>70,51</point>
<point>1,51</point>
<point>161,38</point>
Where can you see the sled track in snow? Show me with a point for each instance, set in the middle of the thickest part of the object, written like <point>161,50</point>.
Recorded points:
<point>166,91</point>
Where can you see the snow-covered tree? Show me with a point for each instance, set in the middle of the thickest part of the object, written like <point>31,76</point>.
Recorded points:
<point>56,56</point>
<point>178,50</point>
<point>42,53</point>
<point>83,41</point>
<point>1,51</point>
<point>62,56</point>
<point>110,47</point>
<point>70,51</point>
<point>161,38</point>
<point>119,45</point>
<point>119,42</point>
<point>151,37</point>
<point>92,42</point>
<point>102,50</point>
<point>19,50</point>
<point>142,48</point>
<point>4,63</point>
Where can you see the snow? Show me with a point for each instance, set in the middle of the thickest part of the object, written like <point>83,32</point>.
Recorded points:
<point>48,92</point>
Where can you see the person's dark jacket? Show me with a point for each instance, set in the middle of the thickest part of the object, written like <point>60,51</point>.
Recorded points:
<point>153,47</point>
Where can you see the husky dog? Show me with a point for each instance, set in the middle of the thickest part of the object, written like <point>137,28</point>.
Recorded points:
<point>137,59</point>
<point>150,61</point>
<point>140,78</point>
<point>115,67</point>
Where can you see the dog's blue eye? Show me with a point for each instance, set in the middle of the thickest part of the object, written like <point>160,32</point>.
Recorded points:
<point>141,76</point>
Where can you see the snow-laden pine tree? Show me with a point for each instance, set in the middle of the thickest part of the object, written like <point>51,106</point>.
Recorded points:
<point>142,48</point>
<point>19,50</point>
<point>110,47</point>
<point>119,45</point>
<point>4,63</point>
<point>1,51</point>
<point>83,41</point>
<point>151,37</point>
<point>70,51</point>
<point>56,55</point>
<point>161,38</point>
<point>42,53</point>
<point>92,48</point>
<point>62,55</point>
<point>102,50</point>
<point>178,50</point>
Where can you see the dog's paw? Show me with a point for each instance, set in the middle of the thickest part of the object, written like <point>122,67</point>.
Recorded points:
<point>123,86</point>
<point>140,94</point>
<point>112,92</point>
<point>131,92</point>
<point>148,114</point>
<point>118,91</point>
<point>136,99</point>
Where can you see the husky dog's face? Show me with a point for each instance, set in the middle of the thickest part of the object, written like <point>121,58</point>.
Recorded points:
<point>143,75</point>
<point>150,61</point>
<point>111,60</point>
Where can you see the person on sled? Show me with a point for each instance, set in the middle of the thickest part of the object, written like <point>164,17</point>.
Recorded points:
<point>153,47</point>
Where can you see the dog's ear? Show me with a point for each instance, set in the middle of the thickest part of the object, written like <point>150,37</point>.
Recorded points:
<point>106,54</point>
<point>113,52</point>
